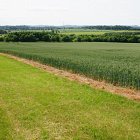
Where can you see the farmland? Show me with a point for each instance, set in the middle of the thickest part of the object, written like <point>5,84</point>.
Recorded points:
<point>116,63</point>
<point>92,31</point>
<point>37,105</point>
<point>83,31</point>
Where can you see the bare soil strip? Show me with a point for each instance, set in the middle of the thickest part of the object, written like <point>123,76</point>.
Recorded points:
<point>129,93</point>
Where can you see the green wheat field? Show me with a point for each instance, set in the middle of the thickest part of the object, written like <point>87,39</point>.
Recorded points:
<point>116,63</point>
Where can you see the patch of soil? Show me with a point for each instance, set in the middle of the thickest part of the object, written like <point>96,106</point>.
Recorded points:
<point>129,93</point>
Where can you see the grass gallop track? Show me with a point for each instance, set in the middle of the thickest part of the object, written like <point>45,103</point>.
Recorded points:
<point>36,105</point>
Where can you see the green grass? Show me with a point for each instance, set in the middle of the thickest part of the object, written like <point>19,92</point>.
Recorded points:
<point>117,63</point>
<point>37,105</point>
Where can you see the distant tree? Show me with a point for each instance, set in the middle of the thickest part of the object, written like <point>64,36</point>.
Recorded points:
<point>3,32</point>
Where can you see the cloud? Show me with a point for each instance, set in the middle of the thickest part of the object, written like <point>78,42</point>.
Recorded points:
<point>50,9</point>
<point>3,9</point>
<point>70,11</point>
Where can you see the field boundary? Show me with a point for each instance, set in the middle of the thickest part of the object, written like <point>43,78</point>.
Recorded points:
<point>102,85</point>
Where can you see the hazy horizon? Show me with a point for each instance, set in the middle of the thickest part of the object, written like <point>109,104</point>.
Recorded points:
<point>69,12</point>
<point>64,25</point>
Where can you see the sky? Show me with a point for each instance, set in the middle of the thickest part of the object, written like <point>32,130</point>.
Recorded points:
<point>69,12</point>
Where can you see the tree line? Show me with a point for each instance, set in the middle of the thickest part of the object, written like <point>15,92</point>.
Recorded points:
<point>116,27</point>
<point>97,27</point>
<point>52,36</point>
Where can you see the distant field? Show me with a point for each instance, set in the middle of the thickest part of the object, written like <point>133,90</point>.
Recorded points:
<point>36,105</point>
<point>80,31</point>
<point>117,63</point>
<point>90,31</point>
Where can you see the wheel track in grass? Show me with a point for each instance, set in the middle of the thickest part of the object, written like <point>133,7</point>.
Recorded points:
<point>102,85</point>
